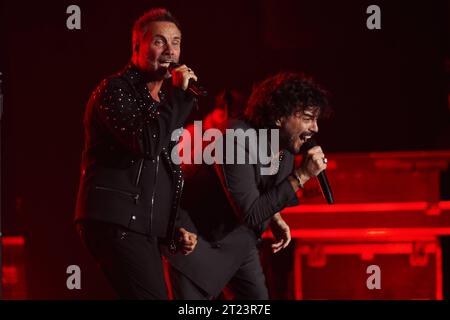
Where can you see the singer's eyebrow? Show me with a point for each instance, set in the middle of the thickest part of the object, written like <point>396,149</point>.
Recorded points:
<point>165,39</point>
<point>159,36</point>
<point>308,114</point>
<point>311,113</point>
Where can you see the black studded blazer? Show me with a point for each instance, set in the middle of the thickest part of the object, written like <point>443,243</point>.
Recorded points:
<point>127,140</point>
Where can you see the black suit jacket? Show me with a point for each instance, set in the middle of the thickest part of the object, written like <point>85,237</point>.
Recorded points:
<point>230,206</point>
<point>127,137</point>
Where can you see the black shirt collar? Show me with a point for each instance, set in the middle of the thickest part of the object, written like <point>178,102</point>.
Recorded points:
<point>133,73</point>
<point>137,77</point>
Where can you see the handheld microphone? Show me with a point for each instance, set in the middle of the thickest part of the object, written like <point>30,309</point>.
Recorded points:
<point>322,176</point>
<point>193,86</point>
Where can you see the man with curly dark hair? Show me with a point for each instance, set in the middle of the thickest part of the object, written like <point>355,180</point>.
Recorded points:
<point>241,201</point>
<point>291,102</point>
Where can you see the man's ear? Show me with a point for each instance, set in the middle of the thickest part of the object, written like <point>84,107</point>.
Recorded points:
<point>278,123</point>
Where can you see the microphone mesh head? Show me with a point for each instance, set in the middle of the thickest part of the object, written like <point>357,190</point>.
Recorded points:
<point>172,66</point>
<point>310,143</point>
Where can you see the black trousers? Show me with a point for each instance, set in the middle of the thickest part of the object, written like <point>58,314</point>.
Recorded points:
<point>131,261</point>
<point>248,283</point>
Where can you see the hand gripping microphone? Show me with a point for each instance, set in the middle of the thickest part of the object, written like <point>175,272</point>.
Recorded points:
<point>322,177</point>
<point>193,87</point>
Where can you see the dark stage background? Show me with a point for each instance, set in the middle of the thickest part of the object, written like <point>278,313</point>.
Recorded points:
<point>389,91</point>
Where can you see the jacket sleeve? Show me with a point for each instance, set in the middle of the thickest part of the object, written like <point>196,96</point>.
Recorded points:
<point>252,205</point>
<point>134,122</point>
<point>184,221</point>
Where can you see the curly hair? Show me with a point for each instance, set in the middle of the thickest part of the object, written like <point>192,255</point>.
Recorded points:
<point>281,95</point>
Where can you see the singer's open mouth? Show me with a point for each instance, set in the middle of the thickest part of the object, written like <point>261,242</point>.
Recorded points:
<point>165,63</point>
